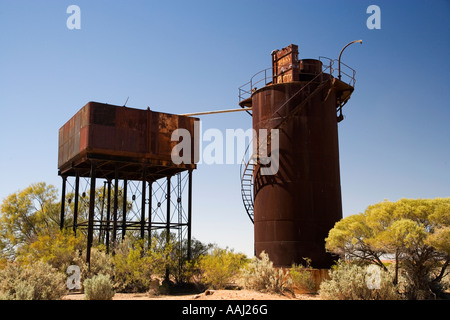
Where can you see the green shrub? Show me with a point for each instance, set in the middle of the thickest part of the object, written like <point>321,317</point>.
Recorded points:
<point>351,282</point>
<point>135,268</point>
<point>301,276</point>
<point>99,287</point>
<point>260,275</point>
<point>220,267</point>
<point>37,282</point>
<point>101,263</point>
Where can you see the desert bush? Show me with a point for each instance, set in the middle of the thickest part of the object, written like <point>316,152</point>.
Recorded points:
<point>132,270</point>
<point>350,281</point>
<point>220,267</point>
<point>99,287</point>
<point>301,277</point>
<point>260,275</point>
<point>37,282</point>
<point>100,263</point>
<point>189,271</point>
<point>59,249</point>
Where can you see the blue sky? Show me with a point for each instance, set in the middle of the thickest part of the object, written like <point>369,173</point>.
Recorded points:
<point>187,56</point>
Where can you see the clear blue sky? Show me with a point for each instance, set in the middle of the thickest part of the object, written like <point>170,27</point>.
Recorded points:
<point>186,56</point>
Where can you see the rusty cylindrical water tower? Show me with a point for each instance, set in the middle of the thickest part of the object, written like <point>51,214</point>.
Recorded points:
<point>294,208</point>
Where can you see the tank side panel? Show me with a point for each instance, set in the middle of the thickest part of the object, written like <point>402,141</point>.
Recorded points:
<point>295,209</point>
<point>122,133</point>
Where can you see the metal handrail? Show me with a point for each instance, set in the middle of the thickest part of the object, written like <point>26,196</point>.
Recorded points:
<point>350,77</point>
<point>246,90</point>
<point>243,169</point>
<point>252,84</point>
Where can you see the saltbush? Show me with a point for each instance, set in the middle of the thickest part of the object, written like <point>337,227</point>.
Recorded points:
<point>39,281</point>
<point>350,281</point>
<point>260,275</point>
<point>100,263</point>
<point>99,287</point>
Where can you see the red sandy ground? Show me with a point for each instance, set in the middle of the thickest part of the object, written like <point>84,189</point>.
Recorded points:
<point>213,295</point>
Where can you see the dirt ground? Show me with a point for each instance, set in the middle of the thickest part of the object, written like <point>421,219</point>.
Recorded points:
<point>207,295</point>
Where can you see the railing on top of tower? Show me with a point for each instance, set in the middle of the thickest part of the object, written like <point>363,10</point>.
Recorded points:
<point>265,77</point>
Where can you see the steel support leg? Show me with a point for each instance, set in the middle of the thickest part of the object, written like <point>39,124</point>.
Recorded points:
<point>143,204</point>
<point>108,216</point>
<point>124,208</point>
<point>101,235</point>
<point>189,222</point>
<point>168,222</point>
<point>150,196</point>
<point>75,205</point>
<point>90,234</point>
<point>63,202</point>
<point>116,205</point>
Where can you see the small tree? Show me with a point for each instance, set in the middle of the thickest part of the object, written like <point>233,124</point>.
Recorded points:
<point>60,249</point>
<point>26,214</point>
<point>414,233</point>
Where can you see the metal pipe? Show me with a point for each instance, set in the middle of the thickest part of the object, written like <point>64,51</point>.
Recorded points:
<point>214,112</point>
<point>340,54</point>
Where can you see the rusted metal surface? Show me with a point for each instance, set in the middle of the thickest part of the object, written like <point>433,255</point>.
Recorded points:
<point>310,66</point>
<point>295,208</point>
<point>285,64</point>
<point>121,136</point>
<point>115,143</point>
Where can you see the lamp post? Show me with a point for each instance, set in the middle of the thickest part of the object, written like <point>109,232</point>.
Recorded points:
<point>360,41</point>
